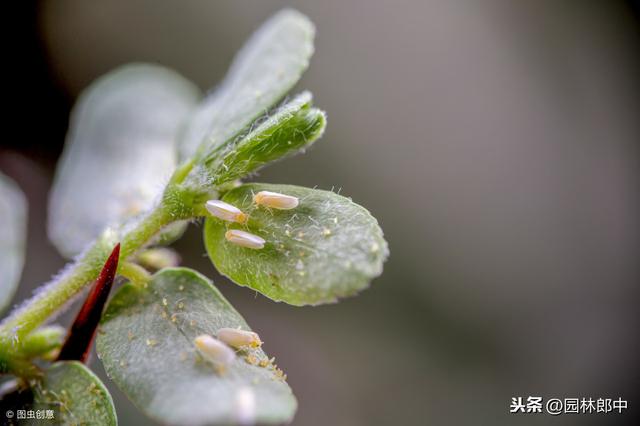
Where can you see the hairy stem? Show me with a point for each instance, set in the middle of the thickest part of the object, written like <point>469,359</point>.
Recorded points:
<point>53,296</point>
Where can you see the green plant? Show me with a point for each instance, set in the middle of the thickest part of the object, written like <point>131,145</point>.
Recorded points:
<point>128,130</point>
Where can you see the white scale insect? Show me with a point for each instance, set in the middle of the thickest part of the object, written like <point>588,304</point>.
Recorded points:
<point>244,239</point>
<point>276,200</point>
<point>230,213</point>
<point>237,338</point>
<point>214,350</point>
<point>225,211</point>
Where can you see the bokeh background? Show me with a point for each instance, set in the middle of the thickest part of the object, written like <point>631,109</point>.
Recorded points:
<point>496,141</point>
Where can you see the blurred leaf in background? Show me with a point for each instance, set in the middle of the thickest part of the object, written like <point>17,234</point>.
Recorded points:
<point>13,236</point>
<point>120,149</point>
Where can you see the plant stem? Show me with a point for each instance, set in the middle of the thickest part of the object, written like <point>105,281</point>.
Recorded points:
<point>62,289</point>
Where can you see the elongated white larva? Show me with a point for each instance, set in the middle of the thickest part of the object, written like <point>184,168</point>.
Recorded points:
<point>239,338</point>
<point>214,350</point>
<point>275,200</point>
<point>225,211</point>
<point>244,239</point>
<point>244,406</point>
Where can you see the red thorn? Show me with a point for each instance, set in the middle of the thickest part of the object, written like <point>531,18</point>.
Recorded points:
<point>83,329</point>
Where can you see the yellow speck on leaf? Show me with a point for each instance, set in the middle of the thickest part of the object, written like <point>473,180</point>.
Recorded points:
<point>251,359</point>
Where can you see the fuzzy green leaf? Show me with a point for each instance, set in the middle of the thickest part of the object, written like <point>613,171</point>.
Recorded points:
<point>75,394</point>
<point>120,148</point>
<point>263,71</point>
<point>146,343</point>
<point>326,248</point>
<point>292,128</point>
<point>13,234</point>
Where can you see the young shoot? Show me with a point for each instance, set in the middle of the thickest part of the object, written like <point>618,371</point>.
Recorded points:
<point>128,131</point>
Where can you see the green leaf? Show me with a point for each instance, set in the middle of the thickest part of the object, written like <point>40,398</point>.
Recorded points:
<point>292,128</point>
<point>263,71</point>
<point>75,394</point>
<point>120,148</point>
<point>146,343</point>
<point>13,235</point>
<point>326,248</point>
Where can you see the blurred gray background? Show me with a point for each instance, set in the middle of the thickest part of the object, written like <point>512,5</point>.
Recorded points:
<point>497,143</point>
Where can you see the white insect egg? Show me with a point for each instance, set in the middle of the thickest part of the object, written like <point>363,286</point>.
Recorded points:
<point>244,239</point>
<point>244,406</point>
<point>225,211</point>
<point>239,338</point>
<point>276,200</point>
<point>214,350</point>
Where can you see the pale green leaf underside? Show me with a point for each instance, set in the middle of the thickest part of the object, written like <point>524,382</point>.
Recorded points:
<point>326,248</point>
<point>120,149</point>
<point>13,234</point>
<point>76,394</point>
<point>146,345</point>
<point>289,130</point>
<point>263,71</point>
